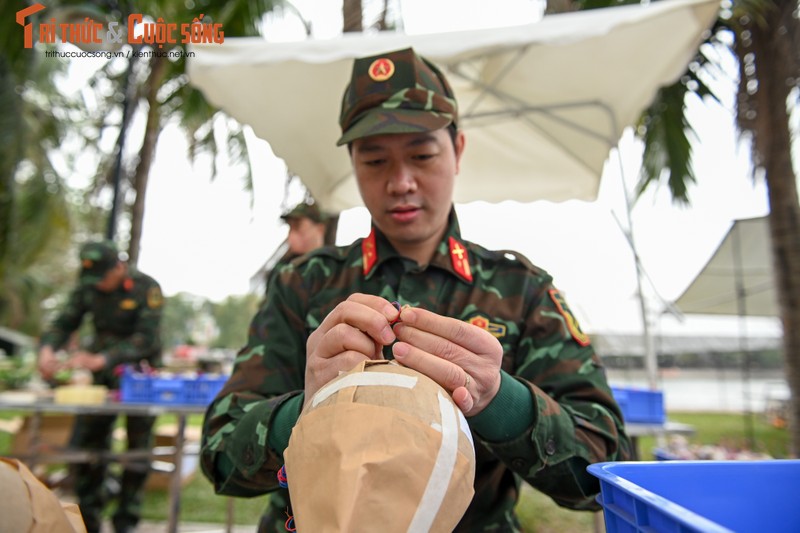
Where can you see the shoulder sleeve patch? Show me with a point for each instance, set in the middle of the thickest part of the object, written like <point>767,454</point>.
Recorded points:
<point>569,319</point>
<point>154,298</point>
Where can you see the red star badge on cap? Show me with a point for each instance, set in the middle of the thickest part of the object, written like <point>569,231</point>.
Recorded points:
<point>381,69</point>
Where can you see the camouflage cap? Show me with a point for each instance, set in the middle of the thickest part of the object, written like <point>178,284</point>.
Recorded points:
<point>304,210</point>
<point>97,258</point>
<point>395,92</point>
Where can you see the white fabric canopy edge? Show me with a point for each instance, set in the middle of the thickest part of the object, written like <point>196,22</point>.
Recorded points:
<point>290,92</point>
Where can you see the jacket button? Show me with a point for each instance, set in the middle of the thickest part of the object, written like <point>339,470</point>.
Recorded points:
<point>248,455</point>
<point>518,464</point>
<point>550,447</point>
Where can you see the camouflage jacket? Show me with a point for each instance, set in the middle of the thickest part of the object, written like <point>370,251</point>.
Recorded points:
<point>572,419</point>
<point>126,321</point>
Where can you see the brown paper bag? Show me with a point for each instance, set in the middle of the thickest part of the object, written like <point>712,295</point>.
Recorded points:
<point>27,505</point>
<point>380,448</point>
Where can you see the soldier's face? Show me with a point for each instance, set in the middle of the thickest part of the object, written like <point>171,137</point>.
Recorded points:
<point>112,279</point>
<point>406,181</point>
<point>305,235</point>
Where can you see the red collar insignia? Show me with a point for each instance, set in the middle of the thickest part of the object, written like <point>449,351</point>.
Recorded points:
<point>460,259</point>
<point>127,284</point>
<point>369,252</point>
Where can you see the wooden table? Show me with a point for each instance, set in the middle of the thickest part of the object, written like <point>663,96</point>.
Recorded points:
<point>635,430</point>
<point>42,405</point>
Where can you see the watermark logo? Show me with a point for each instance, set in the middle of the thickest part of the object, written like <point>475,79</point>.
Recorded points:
<point>90,32</point>
<point>22,14</point>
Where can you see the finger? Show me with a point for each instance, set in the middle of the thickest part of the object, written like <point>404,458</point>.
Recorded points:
<point>445,373</point>
<point>463,399</point>
<point>343,338</point>
<point>367,313</point>
<point>432,343</point>
<point>449,376</point>
<point>456,331</point>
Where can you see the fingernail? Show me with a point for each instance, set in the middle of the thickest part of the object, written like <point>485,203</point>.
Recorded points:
<point>387,335</point>
<point>391,311</point>
<point>400,349</point>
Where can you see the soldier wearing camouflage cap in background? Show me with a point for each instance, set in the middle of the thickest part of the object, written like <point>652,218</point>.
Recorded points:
<point>306,233</point>
<point>306,230</point>
<point>488,326</point>
<point>125,308</point>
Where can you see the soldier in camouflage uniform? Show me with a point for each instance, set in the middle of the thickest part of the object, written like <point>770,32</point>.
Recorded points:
<point>306,233</point>
<point>488,326</point>
<point>125,306</point>
<point>306,228</point>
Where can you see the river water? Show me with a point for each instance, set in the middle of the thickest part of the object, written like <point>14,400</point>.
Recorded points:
<point>710,389</point>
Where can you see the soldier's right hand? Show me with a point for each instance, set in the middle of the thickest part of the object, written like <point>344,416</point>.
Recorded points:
<point>356,330</point>
<point>47,363</point>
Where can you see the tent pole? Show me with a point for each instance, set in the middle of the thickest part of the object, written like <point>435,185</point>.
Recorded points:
<point>741,307</point>
<point>650,358</point>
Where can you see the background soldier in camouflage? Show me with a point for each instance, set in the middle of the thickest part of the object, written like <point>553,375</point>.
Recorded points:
<point>125,307</point>
<point>306,233</point>
<point>488,326</point>
<point>306,229</point>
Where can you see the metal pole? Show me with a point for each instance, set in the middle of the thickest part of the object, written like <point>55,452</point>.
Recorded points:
<point>741,308</point>
<point>650,358</point>
<point>176,480</point>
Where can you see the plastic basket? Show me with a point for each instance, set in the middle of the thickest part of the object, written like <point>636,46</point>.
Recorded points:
<point>700,496</point>
<point>175,390</point>
<point>660,454</point>
<point>640,405</point>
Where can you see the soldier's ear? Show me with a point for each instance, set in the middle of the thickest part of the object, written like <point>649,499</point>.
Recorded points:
<point>459,144</point>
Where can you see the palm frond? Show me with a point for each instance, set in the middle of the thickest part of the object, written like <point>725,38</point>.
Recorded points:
<point>667,153</point>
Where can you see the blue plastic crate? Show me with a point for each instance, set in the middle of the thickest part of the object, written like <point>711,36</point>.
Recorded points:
<point>660,454</point>
<point>175,390</point>
<point>700,496</point>
<point>639,405</point>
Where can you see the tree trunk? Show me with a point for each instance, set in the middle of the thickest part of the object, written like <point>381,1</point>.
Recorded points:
<point>772,151</point>
<point>142,174</point>
<point>560,6</point>
<point>353,16</point>
<point>383,22</point>
<point>10,154</point>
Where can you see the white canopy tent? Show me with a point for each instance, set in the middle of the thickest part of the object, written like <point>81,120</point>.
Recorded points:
<point>542,104</point>
<point>738,278</point>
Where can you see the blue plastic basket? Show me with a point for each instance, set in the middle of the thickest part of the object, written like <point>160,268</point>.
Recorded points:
<point>642,406</point>
<point>660,454</point>
<point>700,496</point>
<point>175,390</point>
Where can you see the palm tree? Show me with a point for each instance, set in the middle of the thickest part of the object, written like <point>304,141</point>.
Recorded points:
<point>34,215</point>
<point>34,206</point>
<point>767,45</point>
<point>764,35</point>
<point>160,88</point>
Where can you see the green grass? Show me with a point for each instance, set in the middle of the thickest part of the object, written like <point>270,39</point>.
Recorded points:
<point>727,430</point>
<point>537,512</point>
<point>200,504</point>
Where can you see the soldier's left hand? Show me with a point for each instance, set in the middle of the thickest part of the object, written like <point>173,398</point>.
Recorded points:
<point>461,357</point>
<point>87,360</point>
